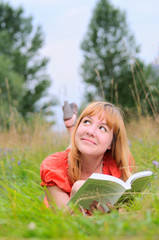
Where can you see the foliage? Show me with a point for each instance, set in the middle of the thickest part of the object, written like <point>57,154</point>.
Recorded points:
<point>23,81</point>
<point>111,69</point>
<point>22,212</point>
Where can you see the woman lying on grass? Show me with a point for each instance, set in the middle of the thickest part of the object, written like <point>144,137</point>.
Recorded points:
<point>99,144</point>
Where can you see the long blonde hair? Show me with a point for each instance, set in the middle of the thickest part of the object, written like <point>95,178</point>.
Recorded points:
<point>120,149</point>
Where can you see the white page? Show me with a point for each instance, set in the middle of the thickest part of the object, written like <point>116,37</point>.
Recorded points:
<point>126,185</point>
<point>138,175</point>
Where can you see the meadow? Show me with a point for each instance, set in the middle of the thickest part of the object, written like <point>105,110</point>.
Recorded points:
<point>22,212</point>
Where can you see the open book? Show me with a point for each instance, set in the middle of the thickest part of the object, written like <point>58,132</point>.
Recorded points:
<point>108,189</point>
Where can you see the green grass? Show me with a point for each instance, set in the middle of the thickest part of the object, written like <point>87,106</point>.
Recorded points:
<point>23,214</point>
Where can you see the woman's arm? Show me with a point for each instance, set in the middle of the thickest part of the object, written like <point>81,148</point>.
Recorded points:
<point>56,195</point>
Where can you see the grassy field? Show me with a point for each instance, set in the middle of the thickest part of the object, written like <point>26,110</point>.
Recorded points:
<point>22,212</point>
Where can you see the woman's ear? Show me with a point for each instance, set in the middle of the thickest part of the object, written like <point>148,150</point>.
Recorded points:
<point>110,146</point>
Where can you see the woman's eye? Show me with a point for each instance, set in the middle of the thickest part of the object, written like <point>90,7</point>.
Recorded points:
<point>86,121</point>
<point>103,129</point>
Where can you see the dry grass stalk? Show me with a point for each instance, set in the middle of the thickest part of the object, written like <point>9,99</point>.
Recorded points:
<point>101,85</point>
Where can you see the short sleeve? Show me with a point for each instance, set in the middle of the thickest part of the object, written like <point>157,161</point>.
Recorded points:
<point>54,171</point>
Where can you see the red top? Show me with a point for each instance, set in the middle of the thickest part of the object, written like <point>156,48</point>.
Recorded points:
<point>54,170</point>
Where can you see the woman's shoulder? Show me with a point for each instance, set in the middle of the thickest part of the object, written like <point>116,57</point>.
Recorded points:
<point>109,165</point>
<point>56,159</point>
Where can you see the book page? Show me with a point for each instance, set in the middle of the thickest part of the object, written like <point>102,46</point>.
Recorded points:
<point>140,180</point>
<point>105,177</point>
<point>97,190</point>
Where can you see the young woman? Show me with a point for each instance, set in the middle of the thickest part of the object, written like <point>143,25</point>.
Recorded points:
<point>99,144</point>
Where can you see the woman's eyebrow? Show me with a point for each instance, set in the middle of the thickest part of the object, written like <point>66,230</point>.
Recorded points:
<point>103,123</point>
<point>88,117</point>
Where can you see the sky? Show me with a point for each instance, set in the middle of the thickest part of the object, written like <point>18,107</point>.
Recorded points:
<point>65,22</point>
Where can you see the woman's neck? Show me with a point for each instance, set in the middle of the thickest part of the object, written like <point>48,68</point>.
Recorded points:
<point>90,165</point>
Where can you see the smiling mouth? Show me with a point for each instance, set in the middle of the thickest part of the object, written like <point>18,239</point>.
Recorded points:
<point>88,141</point>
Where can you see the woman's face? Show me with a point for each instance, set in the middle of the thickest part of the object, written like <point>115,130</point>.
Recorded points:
<point>93,137</point>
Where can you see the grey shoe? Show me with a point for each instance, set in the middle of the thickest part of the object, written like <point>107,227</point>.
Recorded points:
<point>69,110</point>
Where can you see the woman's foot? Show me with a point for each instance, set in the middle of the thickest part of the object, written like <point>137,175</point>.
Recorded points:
<point>69,114</point>
<point>70,117</point>
<point>70,123</point>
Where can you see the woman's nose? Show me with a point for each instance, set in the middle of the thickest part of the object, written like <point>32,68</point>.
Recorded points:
<point>91,130</point>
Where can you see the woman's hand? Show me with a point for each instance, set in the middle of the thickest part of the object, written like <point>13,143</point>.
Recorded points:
<point>96,206</point>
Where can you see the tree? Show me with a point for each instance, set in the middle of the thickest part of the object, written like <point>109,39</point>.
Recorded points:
<point>23,78</point>
<point>107,65</point>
